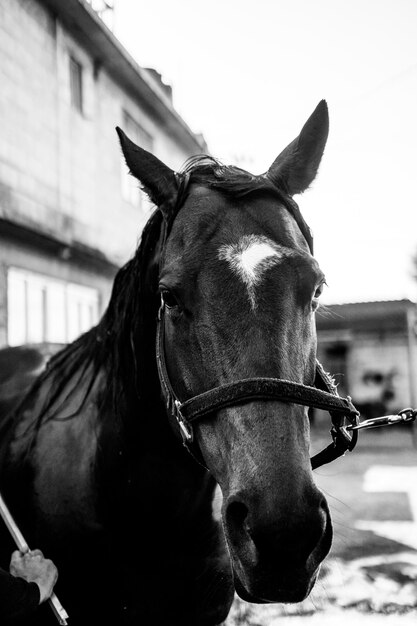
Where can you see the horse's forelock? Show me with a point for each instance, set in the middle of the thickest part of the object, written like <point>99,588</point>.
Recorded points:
<point>231,180</point>
<point>235,182</point>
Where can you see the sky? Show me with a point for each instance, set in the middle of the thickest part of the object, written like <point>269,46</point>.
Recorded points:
<point>247,74</point>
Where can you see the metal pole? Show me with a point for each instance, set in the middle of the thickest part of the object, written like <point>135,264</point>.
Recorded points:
<point>411,345</point>
<point>57,608</point>
<point>411,353</point>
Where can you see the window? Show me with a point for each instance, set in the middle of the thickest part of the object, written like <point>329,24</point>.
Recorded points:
<point>42,309</point>
<point>130,186</point>
<point>76,84</point>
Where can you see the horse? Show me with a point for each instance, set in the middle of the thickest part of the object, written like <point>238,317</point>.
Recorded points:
<point>111,458</point>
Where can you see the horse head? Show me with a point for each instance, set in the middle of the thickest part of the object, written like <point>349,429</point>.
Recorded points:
<point>239,287</point>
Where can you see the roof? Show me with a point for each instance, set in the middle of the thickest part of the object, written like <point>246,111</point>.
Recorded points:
<point>30,235</point>
<point>143,84</point>
<point>388,315</point>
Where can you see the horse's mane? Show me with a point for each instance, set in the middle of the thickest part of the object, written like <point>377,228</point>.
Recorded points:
<point>112,345</point>
<point>107,346</point>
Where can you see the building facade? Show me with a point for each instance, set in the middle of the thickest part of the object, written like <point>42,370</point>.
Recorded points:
<point>69,213</point>
<point>371,348</point>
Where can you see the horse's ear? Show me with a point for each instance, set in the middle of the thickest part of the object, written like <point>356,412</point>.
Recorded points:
<point>157,179</point>
<point>296,167</point>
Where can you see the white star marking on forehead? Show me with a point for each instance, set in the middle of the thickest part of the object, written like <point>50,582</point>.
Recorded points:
<point>249,258</point>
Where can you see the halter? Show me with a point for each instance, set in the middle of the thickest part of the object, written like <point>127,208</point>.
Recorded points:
<point>323,395</point>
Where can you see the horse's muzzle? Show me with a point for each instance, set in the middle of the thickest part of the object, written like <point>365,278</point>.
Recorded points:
<point>276,560</point>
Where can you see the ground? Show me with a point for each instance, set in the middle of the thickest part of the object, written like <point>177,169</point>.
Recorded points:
<point>370,576</point>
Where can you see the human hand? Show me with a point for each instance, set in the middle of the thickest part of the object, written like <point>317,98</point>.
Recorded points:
<point>33,567</point>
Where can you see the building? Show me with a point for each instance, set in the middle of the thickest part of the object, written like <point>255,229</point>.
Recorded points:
<point>371,348</point>
<point>69,213</point>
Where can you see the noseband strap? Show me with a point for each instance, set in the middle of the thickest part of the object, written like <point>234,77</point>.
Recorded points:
<point>249,389</point>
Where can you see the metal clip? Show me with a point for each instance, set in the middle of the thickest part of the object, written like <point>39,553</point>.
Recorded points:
<point>186,429</point>
<point>409,415</point>
<point>404,416</point>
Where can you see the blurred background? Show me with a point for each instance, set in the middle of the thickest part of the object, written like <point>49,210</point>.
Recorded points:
<point>237,79</point>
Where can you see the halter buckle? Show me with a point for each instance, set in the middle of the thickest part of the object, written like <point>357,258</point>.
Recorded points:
<point>345,435</point>
<point>185,429</point>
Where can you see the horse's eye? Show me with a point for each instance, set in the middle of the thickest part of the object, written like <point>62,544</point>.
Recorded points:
<point>318,292</point>
<point>168,299</point>
<point>316,296</point>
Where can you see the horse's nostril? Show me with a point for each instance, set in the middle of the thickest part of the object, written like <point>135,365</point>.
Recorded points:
<point>236,516</point>
<point>269,537</point>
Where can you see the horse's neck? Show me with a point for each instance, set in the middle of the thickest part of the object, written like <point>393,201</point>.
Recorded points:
<point>122,476</point>
<point>156,466</point>
<point>70,421</point>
